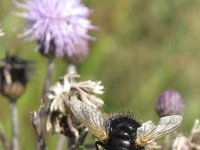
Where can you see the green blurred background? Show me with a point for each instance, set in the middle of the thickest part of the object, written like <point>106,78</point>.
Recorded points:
<point>143,47</point>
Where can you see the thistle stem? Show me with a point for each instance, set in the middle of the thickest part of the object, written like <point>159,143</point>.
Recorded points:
<point>61,142</point>
<point>61,139</point>
<point>36,122</point>
<point>4,140</point>
<point>73,142</point>
<point>49,71</point>
<point>14,125</point>
<point>71,68</point>
<point>40,145</point>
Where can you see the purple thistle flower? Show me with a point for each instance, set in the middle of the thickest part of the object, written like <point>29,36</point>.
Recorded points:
<point>59,26</point>
<point>170,102</point>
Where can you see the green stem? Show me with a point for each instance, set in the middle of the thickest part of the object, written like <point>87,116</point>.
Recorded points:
<point>14,125</point>
<point>4,140</point>
<point>48,78</point>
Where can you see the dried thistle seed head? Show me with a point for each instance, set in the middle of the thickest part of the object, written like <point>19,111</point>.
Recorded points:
<point>181,143</point>
<point>65,124</point>
<point>195,133</point>
<point>14,76</point>
<point>191,142</point>
<point>59,26</point>
<point>56,103</point>
<point>169,103</point>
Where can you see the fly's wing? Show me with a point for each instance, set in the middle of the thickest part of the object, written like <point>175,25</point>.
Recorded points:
<point>92,118</point>
<point>149,132</point>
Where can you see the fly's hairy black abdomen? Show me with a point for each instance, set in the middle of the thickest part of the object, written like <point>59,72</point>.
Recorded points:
<point>122,133</point>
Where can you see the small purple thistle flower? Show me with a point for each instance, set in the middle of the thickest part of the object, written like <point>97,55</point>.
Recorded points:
<point>170,103</point>
<point>59,26</point>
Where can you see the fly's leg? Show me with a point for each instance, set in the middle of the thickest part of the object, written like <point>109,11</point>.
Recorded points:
<point>99,143</point>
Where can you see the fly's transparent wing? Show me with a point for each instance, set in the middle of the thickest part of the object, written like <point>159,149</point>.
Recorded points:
<point>92,118</point>
<point>149,132</point>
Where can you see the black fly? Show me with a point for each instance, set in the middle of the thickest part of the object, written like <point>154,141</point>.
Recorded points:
<point>122,132</point>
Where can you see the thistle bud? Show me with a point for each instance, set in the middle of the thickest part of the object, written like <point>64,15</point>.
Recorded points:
<point>170,103</point>
<point>13,77</point>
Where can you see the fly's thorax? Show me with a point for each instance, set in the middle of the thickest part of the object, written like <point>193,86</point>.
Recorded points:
<point>122,133</point>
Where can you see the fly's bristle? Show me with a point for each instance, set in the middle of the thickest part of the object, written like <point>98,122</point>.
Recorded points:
<point>128,114</point>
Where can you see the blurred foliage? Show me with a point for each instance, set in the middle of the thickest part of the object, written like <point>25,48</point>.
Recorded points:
<point>142,48</point>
